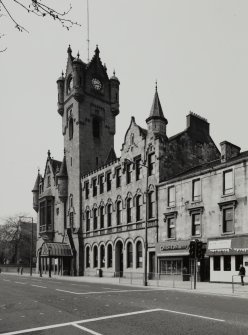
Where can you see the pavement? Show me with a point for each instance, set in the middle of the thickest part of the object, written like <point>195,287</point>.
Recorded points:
<point>221,289</point>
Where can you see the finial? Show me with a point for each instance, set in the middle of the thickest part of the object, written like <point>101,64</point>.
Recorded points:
<point>64,151</point>
<point>62,73</point>
<point>78,54</point>
<point>49,154</point>
<point>38,171</point>
<point>156,85</point>
<point>114,72</point>
<point>97,50</point>
<point>69,49</point>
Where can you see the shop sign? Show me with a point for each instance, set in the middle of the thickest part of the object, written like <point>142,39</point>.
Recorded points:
<point>172,246</point>
<point>234,246</point>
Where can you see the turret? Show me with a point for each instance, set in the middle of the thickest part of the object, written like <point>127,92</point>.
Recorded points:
<point>77,66</point>
<point>62,180</point>
<point>61,89</point>
<point>114,94</point>
<point>156,121</point>
<point>35,191</point>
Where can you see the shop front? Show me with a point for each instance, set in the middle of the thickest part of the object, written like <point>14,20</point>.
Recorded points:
<point>226,255</point>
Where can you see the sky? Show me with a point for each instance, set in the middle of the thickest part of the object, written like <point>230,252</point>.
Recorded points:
<point>197,50</point>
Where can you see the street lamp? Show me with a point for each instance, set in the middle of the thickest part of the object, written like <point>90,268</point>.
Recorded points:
<point>146,218</point>
<point>31,246</point>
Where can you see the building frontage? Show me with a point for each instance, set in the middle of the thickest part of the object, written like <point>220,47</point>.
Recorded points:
<point>136,213</point>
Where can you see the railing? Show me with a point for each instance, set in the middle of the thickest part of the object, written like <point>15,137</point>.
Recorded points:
<point>237,285</point>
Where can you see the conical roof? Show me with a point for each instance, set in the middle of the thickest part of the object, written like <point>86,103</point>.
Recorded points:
<point>37,183</point>
<point>63,170</point>
<point>156,109</point>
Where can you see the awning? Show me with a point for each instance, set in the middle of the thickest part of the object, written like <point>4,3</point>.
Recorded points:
<point>56,249</point>
<point>173,248</point>
<point>228,246</point>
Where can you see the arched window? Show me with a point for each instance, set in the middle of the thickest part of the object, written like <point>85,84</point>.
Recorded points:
<point>102,217</point>
<point>69,85</point>
<point>95,256</point>
<point>138,208</point>
<point>129,210</point>
<point>129,255</point>
<point>110,256</point>
<point>95,218</point>
<point>88,221</point>
<point>96,127</point>
<point>139,256</point>
<point>87,257</point>
<point>151,205</point>
<point>109,213</point>
<point>118,213</point>
<point>71,128</point>
<point>102,256</point>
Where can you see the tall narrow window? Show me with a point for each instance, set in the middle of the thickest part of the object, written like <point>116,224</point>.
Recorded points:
<point>129,210</point>
<point>110,256</point>
<point>228,182</point>
<point>102,256</point>
<point>118,213</point>
<point>95,256</point>
<point>216,263</point>
<point>96,127</point>
<point>102,217</point>
<point>87,257</point>
<point>87,189</point>
<point>48,181</point>
<point>129,255</point>
<point>129,173</point>
<point>151,164</point>
<point>71,219</point>
<point>196,190</point>
<point>238,261</point>
<point>88,221</point>
<point>95,218</point>
<point>171,196</point>
<point>171,227</point>
<point>118,177</point>
<point>94,185</point>
<point>151,205</point>
<point>101,184</point>
<point>49,214</point>
<point>228,226</point>
<point>138,207</point>
<point>109,213</point>
<point>227,263</point>
<point>138,168</point>
<point>70,128</point>
<point>139,258</point>
<point>108,178</point>
<point>196,224</point>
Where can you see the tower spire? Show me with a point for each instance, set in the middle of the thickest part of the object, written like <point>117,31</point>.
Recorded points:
<point>88,31</point>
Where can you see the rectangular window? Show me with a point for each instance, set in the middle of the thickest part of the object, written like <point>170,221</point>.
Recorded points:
<point>129,173</point>
<point>102,217</point>
<point>87,189</point>
<point>196,224</point>
<point>88,221</point>
<point>129,211</point>
<point>151,205</point>
<point>151,164</point>
<point>71,220</point>
<point>228,220</point>
<point>171,228</point>
<point>216,263</point>
<point>238,261</point>
<point>101,184</point>
<point>108,179</point>
<point>227,263</point>
<point>118,177</point>
<point>171,196</point>
<point>48,181</point>
<point>94,186</point>
<point>196,190</point>
<point>228,182</point>
<point>138,168</point>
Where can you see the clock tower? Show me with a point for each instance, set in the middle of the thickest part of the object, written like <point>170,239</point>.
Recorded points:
<point>88,102</point>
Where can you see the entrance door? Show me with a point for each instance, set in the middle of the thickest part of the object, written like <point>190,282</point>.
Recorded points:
<point>151,265</point>
<point>119,258</point>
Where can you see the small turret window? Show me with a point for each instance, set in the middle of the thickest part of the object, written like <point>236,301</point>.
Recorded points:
<point>71,128</point>
<point>69,85</point>
<point>96,127</point>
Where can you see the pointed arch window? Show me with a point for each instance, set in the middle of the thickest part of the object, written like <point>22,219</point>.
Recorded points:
<point>138,207</point>
<point>129,255</point>
<point>109,214</point>
<point>102,217</point>
<point>88,220</point>
<point>71,128</point>
<point>151,205</point>
<point>95,218</point>
<point>118,213</point>
<point>129,210</point>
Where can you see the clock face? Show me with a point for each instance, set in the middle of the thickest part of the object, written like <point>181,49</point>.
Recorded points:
<point>96,83</point>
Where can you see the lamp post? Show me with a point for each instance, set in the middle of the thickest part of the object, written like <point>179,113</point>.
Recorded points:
<point>31,245</point>
<point>146,219</point>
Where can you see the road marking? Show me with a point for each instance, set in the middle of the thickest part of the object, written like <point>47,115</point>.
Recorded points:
<point>102,292</point>
<point>19,282</point>
<point>38,286</point>
<point>6,279</point>
<point>193,315</point>
<point>86,329</point>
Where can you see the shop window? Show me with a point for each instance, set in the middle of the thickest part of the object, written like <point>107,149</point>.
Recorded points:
<point>228,182</point>
<point>102,256</point>
<point>238,261</point>
<point>129,210</point>
<point>108,177</point>
<point>138,168</point>
<point>216,263</point>
<point>129,255</point>
<point>95,218</point>
<point>151,164</point>
<point>94,185</point>
<point>118,177</point>
<point>87,257</point>
<point>139,259</point>
<point>109,214</point>
<point>171,228</point>
<point>110,256</point>
<point>170,267</point>
<point>129,173</point>
<point>118,213</point>
<point>171,196</point>
<point>227,263</point>
<point>95,256</point>
<point>86,189</point>
<point>228,220</point>
<point>102,217</point>
<point>196,224</point>
<point>151,205</point>
<point>88,221</point>
<point>101,184</point>
<point>196,190</point>
<point>138,207</point>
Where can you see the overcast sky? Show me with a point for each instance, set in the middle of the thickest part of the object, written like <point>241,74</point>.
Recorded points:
<point>196,49</point>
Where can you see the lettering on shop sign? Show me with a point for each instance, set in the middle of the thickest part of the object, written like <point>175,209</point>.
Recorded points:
<point>173,247</point>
